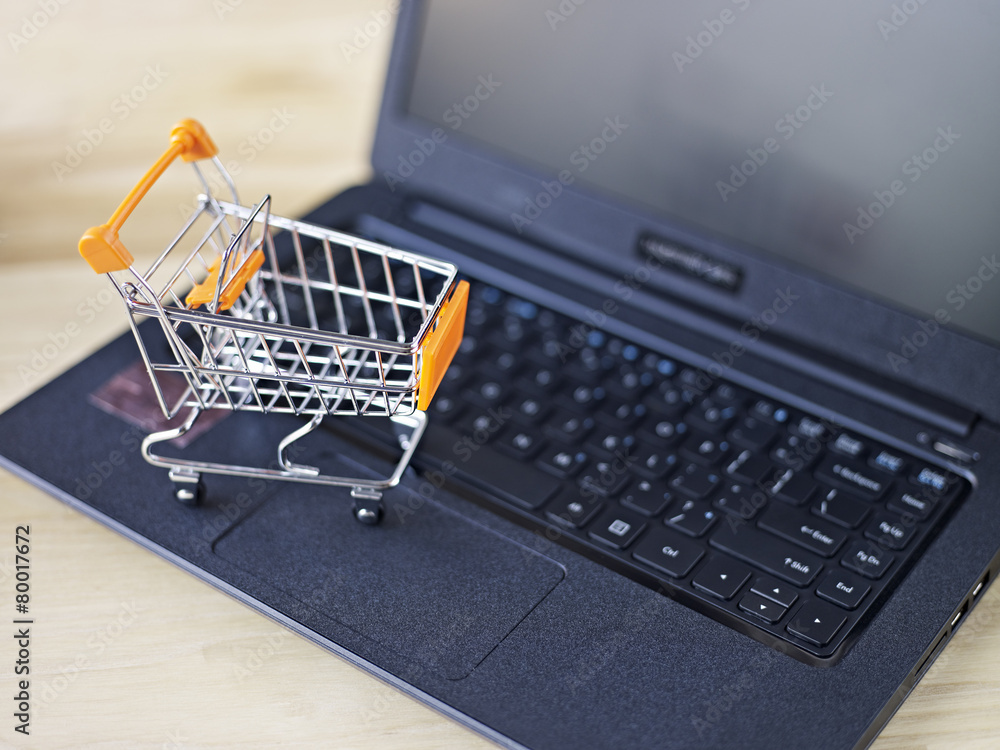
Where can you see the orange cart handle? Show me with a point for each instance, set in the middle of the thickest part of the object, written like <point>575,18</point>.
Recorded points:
<point>441,345</point>
<point>100,246</point>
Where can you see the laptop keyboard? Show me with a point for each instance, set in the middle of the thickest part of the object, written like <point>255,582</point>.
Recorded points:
<point>769,519</point>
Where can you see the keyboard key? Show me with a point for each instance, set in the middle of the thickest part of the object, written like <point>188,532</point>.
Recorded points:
<point>942,483</point>
<point>728,394</point>
<point>520,444</point>
<point>767,552</point>
<point>710,417</point>
<point>917,504</point>
<point>806,531</point>
<point>763,608</point>
<point>843,589</point>
<point>651,463</point>
<point>774,590</point>
<point>608,444</point>
<point>722,577</point>
<point>661,431</point>
<point>889,531</point>
<point>752,433</point>
<point>649,498</point>
<point>793,487</point>
<point>619,415</point>
<point>605,478</point>
<point>573,509</point>
<point>540,381</point>
<point>567,426</point>
<point>769,411</point>
<point>848,445</point>
<point>497,363</point>
<point>816,622</point>
<point>867,559</point>
<point>446,409</point>
<point>703,450</point>
<point>667,400</point>
<point>670,553</point>
<point>842,509</point>
<point>617,528</point>
<point>694,481</point>
<point>750,468</point>
<point>890,462</point>
<point>485,394</point>
<point>739,500</point>
<point>529,410</point>
<point>853,476</point>
<point>811,429</point>
<point>481,427</point>
<point>693,518</point>
<point>561,462</point>
<point>627,383</point>
<point>796,453</point>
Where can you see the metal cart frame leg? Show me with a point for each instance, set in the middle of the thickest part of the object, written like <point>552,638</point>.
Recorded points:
<point>367,493</point>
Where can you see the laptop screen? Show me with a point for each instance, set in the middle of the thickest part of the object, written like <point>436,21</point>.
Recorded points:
<point>858,139</point>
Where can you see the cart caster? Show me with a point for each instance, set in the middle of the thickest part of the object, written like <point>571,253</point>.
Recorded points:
<point>188,488</point>
<point>367,507</point>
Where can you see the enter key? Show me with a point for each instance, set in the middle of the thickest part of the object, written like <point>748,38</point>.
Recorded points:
<point>803,529</point>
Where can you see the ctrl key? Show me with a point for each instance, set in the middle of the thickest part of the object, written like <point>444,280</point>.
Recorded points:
<point>816,622</point>
<point>668,552</point>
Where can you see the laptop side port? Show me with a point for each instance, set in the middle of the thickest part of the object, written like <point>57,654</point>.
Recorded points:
<point>980,586</point>
<point>960,614</point>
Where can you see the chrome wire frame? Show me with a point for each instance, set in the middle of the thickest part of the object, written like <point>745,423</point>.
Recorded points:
<point>272,352</point>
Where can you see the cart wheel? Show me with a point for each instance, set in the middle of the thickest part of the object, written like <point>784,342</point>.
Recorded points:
<point>188,489</point>
<point>368,510</point>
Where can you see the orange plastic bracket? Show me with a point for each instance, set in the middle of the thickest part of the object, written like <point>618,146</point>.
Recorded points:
<point>204,292</point>
<point>442,344</point>
<point>100,246</point>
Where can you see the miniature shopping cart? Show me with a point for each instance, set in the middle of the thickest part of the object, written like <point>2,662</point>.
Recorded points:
<point>304,321</point>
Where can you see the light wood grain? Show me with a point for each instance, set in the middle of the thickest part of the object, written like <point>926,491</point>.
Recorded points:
<point>129,651</point>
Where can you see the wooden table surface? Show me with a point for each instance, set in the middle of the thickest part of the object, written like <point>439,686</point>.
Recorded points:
<point>129,651</point>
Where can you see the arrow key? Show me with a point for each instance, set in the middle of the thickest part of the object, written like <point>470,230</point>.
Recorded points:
<point>722,577</point>
<point>817,622</point>
<point>770,588</point>
<point>762,608</point>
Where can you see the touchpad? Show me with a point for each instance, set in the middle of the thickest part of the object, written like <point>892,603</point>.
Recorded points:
<point>426,582</point>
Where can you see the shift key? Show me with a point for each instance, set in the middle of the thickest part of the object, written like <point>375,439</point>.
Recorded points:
<point>775,556</point>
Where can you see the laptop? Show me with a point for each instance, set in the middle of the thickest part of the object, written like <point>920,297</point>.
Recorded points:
<point>714,463</point>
